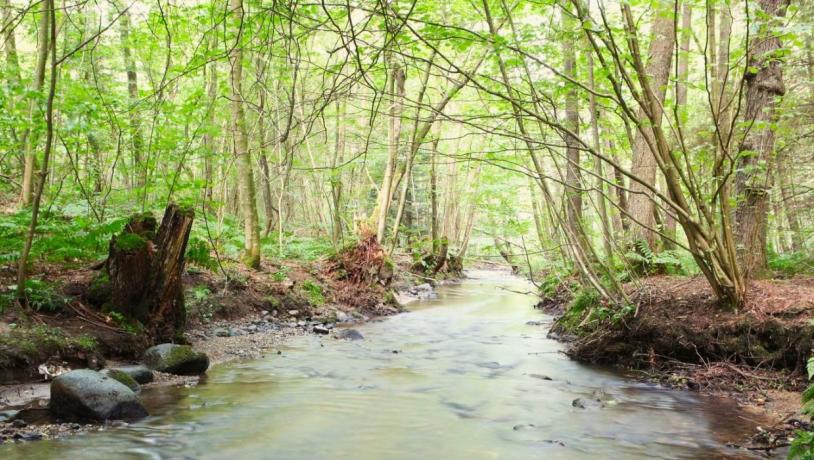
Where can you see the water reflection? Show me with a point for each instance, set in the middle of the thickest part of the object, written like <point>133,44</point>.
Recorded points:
<point>469,379</point>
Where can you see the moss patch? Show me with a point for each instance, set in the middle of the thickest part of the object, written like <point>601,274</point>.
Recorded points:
<point>130,242</point>
<point>27,346</point>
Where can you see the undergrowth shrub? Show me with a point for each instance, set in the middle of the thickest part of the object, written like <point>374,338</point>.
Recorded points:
<point>41,296</point>
<point>802,447</point>
<point>790,264</point>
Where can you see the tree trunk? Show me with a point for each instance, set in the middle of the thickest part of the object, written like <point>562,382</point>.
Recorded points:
<point>641,205</point>
<point>245,176</point>
<point>28,137</point>
<point>573,179</point>
<point>10,42</point>
<point>764,84</point>
<point>143,273</point>
<point>136,139</point>
<point>51,32</point>
<point>394,134</point>
<point>336,173</point>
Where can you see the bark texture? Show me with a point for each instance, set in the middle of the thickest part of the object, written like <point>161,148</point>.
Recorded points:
<point>143,272</point>
<point>764,84</point>
<point>641,205</point>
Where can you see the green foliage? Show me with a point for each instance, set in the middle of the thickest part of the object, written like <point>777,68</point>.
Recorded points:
<point>198,253</point>
<point>32,345</point>
<point>802,447</point>
<point>130,242</point>
<point>200,303</point>
<point>41,296</point>
<point>281,274</point>
<point>297,247</point>
<point>61,236</point>
<point>313,292</point>
<point>586,310</point>
<point>671,262</point>
<point>126,324</point>
<point>791,264</point>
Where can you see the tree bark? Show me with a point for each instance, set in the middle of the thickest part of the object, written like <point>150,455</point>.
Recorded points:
<point>641,204</point>
<point>51,34</point>
<point>136,139</point>
<point>30,162</point>
<point>764,84</point>
<point>245,175</point>
<point>394,134</point>
<point>144,273</point>
<point>573,177</point>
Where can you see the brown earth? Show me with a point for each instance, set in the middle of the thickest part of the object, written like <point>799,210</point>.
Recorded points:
<point>680,337</point>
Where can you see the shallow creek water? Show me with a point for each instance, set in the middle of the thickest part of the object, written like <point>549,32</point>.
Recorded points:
<point>458,377</point>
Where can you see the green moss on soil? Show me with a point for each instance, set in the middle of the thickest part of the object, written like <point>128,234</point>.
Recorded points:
<point>27,346</point>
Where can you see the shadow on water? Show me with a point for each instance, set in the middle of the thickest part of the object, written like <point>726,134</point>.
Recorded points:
<point>459,377</point>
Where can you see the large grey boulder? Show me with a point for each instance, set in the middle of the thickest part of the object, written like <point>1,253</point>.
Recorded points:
<point>176,359</point>
<point>88,395</point>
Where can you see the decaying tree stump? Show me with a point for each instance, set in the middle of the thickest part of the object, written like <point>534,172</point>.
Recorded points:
<point>141,278</point>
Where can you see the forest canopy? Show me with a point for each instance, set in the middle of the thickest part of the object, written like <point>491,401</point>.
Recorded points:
<point>605,139</point>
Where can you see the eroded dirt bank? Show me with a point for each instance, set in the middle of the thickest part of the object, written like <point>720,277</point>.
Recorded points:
<point>676,335</point>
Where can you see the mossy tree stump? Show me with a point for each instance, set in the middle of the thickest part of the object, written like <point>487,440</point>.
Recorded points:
<point>141,278</point>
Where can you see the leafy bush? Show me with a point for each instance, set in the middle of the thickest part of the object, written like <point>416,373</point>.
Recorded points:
<point>41,296</point>
<point>313,292</point>
<point>281,274</point>
<point>198,253</point>
<point>60,237</point>
<point>790,264</point>
<point>671,262</point>
<point>802,447</point>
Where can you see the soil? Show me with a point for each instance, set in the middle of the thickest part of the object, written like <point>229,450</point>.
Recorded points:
<point>679,337</point>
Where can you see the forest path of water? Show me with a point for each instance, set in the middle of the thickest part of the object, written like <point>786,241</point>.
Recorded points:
<point>459,377</point>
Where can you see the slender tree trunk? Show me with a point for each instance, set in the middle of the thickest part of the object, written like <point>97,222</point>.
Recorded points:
<point>136,138</point>
<point>10,42</point>
<point>573,177</point>
<point>210,150</point>
<point>642,206</point>
<point>336,172</point>
<point>682,73</point>
<point>434,195</point>
<point>245,176</point>
<point>51,32</point>
<point>396,89</point>
<point>764,84</point>
<point>29,138</point>
<point>598,169</point>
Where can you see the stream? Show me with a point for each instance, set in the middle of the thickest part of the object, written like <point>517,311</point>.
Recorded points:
<point>462,376</point>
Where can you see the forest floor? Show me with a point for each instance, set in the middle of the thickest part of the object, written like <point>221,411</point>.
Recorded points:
<point>251,315</point>
<point>679,337</point>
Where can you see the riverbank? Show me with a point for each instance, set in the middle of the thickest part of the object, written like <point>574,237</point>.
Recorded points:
<point>232,314</point>
<point>675,335</point>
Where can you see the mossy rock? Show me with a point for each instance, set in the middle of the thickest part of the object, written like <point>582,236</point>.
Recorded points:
<point>122,377</point>
<point>176,359</point>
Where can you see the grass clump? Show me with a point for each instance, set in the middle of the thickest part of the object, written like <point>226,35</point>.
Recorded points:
<point>313,292</point>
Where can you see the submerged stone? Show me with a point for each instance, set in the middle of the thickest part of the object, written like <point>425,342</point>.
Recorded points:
<point>176,359</point>
<point>349,334</point>
<point>88,395</point>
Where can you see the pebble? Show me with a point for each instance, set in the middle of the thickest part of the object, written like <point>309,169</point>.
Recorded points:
<point>320,329</point>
